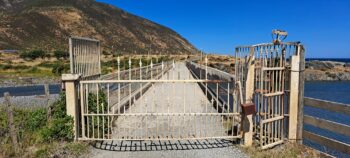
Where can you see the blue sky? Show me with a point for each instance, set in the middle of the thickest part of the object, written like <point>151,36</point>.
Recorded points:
<point>323,26</point>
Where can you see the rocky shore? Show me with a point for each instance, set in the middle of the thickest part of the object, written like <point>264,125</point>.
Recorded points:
<point>327,71</point>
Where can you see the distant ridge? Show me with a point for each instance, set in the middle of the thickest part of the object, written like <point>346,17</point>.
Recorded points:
<point>47,24</point>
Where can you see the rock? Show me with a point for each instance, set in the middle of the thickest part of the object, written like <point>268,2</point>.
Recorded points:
<point>347,65</point>
<point>319,65</point>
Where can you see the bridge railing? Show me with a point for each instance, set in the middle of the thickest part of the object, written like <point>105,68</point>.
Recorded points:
<point>213,90</point>
<point>134,72</point>
<point>322,123</point>
<point>212,73</point>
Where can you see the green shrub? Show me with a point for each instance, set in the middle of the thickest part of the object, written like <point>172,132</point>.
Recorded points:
<point>60,127</point>
<point>13,67</point>
<point>61,54</point>
<point>47,64</point>
<point>37,119</point>
<point>33,127</point>
<point>32,55</point>
<point>59,68</point>
<point>33,70</point>
<point>94,108</point>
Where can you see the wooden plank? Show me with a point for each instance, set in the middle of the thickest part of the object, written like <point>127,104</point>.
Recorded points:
<point>273,94</point>
<point>328,142</point>
<point>272,144</point>
<point>328,105</point>
<point>328,125</point>
<point>272,68</point>
<point>272,119</point>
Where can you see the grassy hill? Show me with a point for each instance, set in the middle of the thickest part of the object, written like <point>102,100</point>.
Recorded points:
<point>47,25</point>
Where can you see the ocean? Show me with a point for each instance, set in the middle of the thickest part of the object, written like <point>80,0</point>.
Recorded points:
<point>337,91</point>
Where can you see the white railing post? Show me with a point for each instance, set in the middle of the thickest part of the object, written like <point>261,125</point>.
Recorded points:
<point>71,82</point>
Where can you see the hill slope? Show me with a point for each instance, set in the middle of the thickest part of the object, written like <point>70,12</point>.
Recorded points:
<point>47,24</point>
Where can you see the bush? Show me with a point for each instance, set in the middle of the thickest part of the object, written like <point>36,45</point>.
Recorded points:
<point>59,68</point>
<point>94,109</point>
<point>14,67</point>
<point>33,70</point>
<point>32,55</point>
<point>37,119</point>
<point>34,127</point>
<point>61,54</point>
<point>60,127</point>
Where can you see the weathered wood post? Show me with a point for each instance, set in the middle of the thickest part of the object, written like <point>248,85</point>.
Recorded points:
<point>71,82</point>
<point>9,111</point>
<point>300,124</point>
<point>249,93</point>
<point>296,95</point>
<point>47,96</point>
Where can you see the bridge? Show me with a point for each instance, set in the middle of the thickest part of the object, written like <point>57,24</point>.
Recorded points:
<point>184,100</point>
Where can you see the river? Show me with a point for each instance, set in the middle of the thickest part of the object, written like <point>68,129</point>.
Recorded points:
<point>337,91</point>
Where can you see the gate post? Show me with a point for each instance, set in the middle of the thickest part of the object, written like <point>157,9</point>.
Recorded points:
<point>71,82</point>
<point>249,92</point>
<point>296,95</point>
<point>300,124</point>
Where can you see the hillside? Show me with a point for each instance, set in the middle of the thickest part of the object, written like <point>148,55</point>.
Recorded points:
<point>47,24</point>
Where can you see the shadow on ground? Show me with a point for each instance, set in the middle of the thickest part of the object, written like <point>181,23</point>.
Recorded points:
<point>148,145</point>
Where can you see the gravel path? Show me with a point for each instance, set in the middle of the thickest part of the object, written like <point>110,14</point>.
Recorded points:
<point>170,98</point>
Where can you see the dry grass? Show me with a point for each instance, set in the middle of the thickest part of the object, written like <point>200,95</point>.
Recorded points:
<point>288,150</point>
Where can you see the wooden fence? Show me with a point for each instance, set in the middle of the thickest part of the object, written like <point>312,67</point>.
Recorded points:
<point>327,124</point>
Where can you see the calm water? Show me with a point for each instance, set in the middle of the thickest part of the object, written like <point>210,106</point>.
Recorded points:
<point>338,91</point>
<point>30,90</point>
